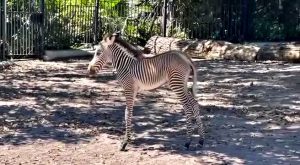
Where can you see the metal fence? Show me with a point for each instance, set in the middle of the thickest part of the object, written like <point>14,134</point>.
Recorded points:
<point>235,20</point>
<point>74,24</point>
<point>67,25</point>
<point>21,28</point>
<point>30,26</point>
<point>215,19</point>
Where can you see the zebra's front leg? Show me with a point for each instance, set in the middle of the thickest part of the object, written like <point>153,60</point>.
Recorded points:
<point>130,96</point>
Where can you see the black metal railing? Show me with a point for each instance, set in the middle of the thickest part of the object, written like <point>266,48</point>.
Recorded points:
<point>21,34</point>
<point>68,24</point>
<point>231,20</point>
<point>29,28</point>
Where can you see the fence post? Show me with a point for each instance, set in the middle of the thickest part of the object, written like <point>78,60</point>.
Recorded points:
<point>164,19</point>
<point>42,29</point>
<point>222,29</point>
<point>3,19</point>
<point>96,23</point>
<point>245,15</point>
<point>4,28</point>
<point>249,26</point>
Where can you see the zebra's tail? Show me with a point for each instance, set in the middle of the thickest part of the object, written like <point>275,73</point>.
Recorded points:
<point>193,71</point>
<point>195,80</point>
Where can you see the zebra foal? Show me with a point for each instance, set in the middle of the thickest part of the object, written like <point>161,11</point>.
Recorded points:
<point>136,73</point>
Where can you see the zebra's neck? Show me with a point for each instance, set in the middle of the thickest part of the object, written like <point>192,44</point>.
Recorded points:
<point>121,58</point>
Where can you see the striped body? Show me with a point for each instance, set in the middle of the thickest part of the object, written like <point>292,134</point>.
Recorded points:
<point>150,73</point>
<point>135,75</point>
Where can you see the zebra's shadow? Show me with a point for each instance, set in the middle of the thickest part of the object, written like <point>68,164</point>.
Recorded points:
<point>156,123</point>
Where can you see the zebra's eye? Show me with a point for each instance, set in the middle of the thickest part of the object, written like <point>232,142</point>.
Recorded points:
<point>99,52</point>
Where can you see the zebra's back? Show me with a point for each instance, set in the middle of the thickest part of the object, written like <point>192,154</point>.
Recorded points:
<point>152,72</point>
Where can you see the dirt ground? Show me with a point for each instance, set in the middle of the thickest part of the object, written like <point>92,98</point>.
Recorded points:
<point>52,113</point>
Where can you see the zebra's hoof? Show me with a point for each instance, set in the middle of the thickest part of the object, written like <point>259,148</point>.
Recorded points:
<point>123,146</point>
<point>201,142</point>
<point>187,145</point>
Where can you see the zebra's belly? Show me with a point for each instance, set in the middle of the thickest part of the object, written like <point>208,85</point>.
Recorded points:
<point>150,85</point>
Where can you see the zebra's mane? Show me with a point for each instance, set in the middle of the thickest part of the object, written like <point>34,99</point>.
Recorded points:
<point>130,48</point>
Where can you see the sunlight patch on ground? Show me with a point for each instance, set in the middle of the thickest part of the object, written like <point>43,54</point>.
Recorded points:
<point>272,127</point>
<point>212,157</point>
<point>294,127</point>
<point>28,101</point>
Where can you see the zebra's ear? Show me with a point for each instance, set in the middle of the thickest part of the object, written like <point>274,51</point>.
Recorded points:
<point>117,33</point>
<point>111,40</point>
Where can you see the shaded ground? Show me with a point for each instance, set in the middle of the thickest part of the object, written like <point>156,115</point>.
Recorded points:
<point>52,113</point>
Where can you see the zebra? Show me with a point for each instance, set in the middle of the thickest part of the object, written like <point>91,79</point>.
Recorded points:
<point>137,73</point>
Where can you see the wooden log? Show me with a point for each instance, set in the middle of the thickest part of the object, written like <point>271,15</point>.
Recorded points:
<point>64,54</point>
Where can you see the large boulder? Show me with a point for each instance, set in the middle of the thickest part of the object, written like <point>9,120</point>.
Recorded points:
<point>4,49</point>
<point>289,51</point>
<point>241,52</point>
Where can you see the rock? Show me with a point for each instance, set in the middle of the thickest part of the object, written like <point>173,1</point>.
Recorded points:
<point>4,49</point>
<point>212,49</point>
<point>241,52</point>
<point>7,64</point>
<point>279,51</point>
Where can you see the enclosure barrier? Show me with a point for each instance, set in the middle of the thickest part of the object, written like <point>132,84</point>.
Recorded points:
<point>29,27</point>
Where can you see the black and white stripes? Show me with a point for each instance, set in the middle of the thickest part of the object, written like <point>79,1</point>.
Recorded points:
<point>136,75</point>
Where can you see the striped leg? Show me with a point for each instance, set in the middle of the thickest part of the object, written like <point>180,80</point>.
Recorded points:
<point>189,118</point>
<point>196,112</point>
<point>130,96</point>
<point>178,85</point>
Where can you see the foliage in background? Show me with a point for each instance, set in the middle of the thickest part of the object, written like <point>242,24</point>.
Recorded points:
<point>69,23</point>
<point>135,19</point>
<point>191,18</point>
<point>260,20</point>
<point>277,20</point>
<point>20,30</point>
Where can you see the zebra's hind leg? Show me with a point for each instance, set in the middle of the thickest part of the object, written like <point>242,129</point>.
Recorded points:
<point>178,84</point>
<point>200,130</point>
<point>130,96</point>
<point>189,123</point>
<point>197,116</point>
